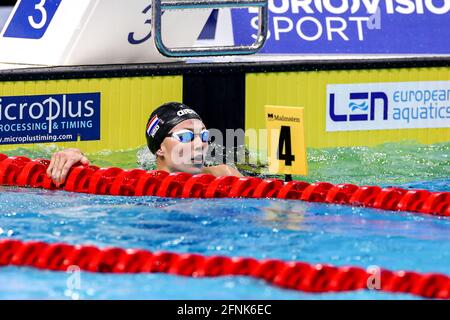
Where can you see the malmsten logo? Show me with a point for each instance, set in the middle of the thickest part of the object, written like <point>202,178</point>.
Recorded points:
<point>273,117</point>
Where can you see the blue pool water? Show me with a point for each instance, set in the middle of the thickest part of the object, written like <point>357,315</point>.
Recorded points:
<point>260,228</point>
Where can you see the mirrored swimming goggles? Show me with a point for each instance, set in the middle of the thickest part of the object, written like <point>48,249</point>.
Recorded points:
<point>186,136</point>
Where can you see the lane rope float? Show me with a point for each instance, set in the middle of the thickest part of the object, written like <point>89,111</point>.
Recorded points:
<point>24,172</point>
<point>299,276</point>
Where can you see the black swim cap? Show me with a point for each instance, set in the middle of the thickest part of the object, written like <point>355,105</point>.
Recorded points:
<point>163,119</point>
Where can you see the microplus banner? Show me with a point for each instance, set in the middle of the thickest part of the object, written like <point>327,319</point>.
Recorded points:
<point>49,118</point>
<point>350,26</point>
<point>381,106</point>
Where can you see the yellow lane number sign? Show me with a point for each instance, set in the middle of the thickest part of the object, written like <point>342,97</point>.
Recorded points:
<point>286,140</point>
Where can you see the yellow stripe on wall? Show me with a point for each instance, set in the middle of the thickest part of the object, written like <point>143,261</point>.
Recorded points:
<point>308,90</point>
<point>126,104</point>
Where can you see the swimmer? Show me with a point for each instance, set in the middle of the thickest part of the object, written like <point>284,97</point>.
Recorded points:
<point>175,134</point>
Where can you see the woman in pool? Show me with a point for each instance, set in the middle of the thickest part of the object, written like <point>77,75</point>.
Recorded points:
<point>175,134</point>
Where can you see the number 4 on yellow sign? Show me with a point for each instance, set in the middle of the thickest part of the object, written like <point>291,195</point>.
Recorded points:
<point>286,140</point>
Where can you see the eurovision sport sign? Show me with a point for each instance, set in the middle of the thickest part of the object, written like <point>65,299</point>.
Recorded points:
<point>350,26</point>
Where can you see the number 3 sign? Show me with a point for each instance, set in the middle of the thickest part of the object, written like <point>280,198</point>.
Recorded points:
<point>31,18</point>
<point>286,140</point>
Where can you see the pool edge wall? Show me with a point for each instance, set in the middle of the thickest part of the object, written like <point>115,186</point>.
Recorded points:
<point>226,95</point>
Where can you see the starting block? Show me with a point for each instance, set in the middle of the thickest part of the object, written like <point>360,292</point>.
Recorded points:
<point>67,32</point>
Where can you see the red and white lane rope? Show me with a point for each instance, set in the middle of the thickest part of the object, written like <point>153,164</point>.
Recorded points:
<point>300,276</point>
<point>21,171</point>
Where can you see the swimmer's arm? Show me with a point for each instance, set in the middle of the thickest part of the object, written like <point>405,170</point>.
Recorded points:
<point>61,163</point>
<point>222,170</point>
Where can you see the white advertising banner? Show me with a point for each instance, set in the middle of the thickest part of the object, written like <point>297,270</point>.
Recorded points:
<point>381,106</point>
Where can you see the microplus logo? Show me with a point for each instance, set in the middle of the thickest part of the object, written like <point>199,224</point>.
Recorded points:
<point>378,106</point>
<point>67,116</point>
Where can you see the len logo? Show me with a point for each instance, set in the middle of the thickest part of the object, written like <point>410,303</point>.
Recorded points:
<point>362,105</point>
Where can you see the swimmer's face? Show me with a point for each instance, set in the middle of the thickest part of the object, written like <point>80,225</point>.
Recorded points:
<point>184,156</point>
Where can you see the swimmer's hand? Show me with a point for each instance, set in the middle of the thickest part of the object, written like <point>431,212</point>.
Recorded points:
<point>61,163</point>
<point>222,170</point>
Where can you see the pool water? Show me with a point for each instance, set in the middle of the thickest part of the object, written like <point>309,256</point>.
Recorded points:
<point>259,228</point>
